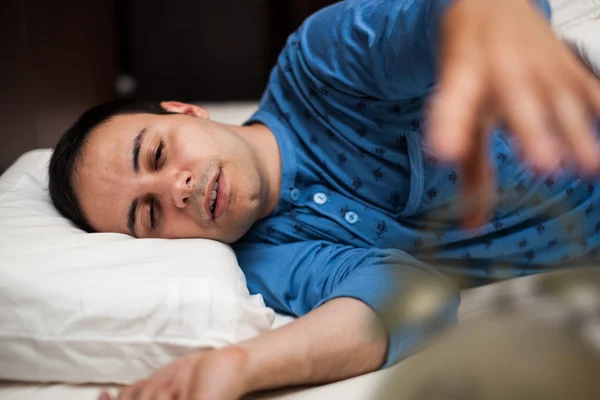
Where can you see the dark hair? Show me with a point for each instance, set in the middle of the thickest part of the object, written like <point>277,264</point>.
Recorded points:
<point>68,152</point>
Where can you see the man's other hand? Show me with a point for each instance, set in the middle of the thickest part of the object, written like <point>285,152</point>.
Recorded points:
<point>340,339</point>
<point>501,63</point>
<point>208,375</point>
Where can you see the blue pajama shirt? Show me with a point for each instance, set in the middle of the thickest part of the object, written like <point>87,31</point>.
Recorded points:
<point>364,208</point>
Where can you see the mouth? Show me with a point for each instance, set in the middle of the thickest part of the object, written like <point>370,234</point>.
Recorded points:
<point>212,196</point>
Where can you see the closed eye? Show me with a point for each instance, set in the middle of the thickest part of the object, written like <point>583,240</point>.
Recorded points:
<point>158,155</point>
<point>152,215</point>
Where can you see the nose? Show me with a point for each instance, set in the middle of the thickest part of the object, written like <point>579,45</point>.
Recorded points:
<point>182,188</point>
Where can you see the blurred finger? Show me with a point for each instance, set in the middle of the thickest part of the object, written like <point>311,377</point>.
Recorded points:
<point>183,392</point>
<point>477,187</point>
<point>574,121</point>
<point>104,395</point>
<point>165,395</point>
<point>132,392</point>
<point>593,89</point>
<point>527,115</point>
<point>126,393</point>
<point>454,112</point>
<point>151,391</point>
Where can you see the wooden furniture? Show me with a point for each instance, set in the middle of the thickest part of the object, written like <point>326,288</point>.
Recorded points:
<point>57,58</point>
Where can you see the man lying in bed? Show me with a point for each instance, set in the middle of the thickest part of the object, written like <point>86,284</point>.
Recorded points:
<point>329,194</point>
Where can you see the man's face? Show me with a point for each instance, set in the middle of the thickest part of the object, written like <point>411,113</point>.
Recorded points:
<point>169,176</point>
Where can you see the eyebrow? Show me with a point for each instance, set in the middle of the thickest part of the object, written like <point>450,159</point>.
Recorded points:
<point>135,156</point>
<point>135,151</point>
<point>131,217</point>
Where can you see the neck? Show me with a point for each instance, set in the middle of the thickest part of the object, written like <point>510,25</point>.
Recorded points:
<point>265,147</point>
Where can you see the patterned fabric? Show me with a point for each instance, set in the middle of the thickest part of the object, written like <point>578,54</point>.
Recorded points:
<point>364,208</point>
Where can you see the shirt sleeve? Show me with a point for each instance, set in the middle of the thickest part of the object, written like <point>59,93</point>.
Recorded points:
<point>386,49</point>
<point>296,278</point>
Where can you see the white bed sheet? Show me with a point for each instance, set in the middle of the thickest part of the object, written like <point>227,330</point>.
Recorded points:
<point>363,387</point>
<point>29,391</point>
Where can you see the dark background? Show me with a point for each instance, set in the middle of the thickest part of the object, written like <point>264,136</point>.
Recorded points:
<point>60,57</point>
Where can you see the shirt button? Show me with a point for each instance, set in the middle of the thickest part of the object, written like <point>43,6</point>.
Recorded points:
<point>320,198</point>
<point>295,194</point>
<point>351,217</point>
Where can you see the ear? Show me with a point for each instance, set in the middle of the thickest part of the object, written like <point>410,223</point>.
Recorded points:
<point>185,108</point>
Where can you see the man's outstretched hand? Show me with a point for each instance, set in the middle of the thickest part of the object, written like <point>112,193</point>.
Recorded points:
<point>501,63</point>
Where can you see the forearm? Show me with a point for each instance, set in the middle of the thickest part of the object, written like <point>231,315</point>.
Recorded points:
<point>340,339</point>
<point>341,293</point>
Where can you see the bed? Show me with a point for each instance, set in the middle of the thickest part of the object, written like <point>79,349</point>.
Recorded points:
<point>528,294</point>
<point>579,23</point>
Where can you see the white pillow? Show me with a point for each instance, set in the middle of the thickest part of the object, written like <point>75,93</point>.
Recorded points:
<point>79,307</point>
<point>578,23</point>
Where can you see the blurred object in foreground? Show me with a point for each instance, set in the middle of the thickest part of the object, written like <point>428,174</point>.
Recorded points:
<point>419,303</point>
<point>532,338</point>
<point>509,356</point>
